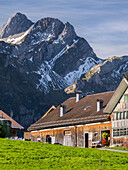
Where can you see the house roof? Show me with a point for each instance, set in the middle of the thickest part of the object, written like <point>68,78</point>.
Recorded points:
<point>117,95</point>
<point>14,124</point>
<point>83,111</point>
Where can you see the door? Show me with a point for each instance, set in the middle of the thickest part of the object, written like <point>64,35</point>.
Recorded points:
<point>48,139</point>
<point>67,140</point>
<point>86,140</point>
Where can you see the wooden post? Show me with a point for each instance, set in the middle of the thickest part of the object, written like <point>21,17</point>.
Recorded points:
<point>99,163</point>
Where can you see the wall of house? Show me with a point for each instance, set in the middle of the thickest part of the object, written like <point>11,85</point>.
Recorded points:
<point>73,135</point>
<point>27,135</point>
<point>58,134</point>
<point>120,121</point>
<point>91,129</point>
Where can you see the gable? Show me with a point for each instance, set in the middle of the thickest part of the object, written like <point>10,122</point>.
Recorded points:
<point>14,124</point>
<point>123,102</point>
<point>117,96</point>
<point>51,108</point>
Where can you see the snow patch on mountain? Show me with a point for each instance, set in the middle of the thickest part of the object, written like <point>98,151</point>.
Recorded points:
<point>117,73</point>
<point>84,68</point>
<point>18,39</point>
<point>49,78</point>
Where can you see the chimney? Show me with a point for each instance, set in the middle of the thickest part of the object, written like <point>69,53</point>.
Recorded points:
<point>62,110</point>
<point>1,115</point>
<point>99,105</point>
<point>78,96</point>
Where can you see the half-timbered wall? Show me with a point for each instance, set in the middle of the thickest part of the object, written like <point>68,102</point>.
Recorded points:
<point>120,120</point>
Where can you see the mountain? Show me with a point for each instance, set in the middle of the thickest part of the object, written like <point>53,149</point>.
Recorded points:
<point>50,52</point>
<point>103,77</point>
<point>37,61</point>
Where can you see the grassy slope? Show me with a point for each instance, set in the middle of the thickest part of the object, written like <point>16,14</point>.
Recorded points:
<point>34,155</point>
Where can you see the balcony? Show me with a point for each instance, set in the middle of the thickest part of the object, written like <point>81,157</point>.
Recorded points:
<point>122,107</point>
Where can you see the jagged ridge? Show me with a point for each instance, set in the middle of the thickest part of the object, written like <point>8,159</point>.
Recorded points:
<point>102,77</point>
<point>50,53</point>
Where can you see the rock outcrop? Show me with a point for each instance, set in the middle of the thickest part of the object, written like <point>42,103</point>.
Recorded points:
<point>15,25</point>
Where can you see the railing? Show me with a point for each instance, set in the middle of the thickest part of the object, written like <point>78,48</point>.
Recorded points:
<point>123,106</point>
<point>120,123</point>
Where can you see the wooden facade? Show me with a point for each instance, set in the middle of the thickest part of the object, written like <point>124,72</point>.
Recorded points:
<point>77,136</point>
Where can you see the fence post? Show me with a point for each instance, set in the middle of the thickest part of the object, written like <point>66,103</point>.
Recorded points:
<point>99,163</point>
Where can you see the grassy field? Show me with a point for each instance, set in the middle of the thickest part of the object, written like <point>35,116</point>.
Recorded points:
<point>34,155</point>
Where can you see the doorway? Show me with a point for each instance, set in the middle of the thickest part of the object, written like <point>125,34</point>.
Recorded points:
<point>48,139</point>
<point>86,140</point>
<point>108,138</point>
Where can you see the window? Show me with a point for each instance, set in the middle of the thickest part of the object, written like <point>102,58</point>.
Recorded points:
<point>120,115</point>
<point>114,132</point>
<point>123,115</point>
<point>117,132</point>
<point>120,132</point>
<point>124,132</point>
<point>126,98</point>
<point>67,132</point>
<point>117,116</point>
<point>95,136</point>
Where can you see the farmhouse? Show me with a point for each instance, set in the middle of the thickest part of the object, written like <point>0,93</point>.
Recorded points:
<point>11,125</point>
<point>81,121</point>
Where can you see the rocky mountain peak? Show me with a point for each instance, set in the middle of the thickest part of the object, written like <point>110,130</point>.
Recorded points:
<point>68,33</point>
<point>49,26</point>
<point>18,23</point>
<point>49,52</point>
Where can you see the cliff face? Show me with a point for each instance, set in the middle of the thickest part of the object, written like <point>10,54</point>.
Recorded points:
<point>20,99</point>
<point>105,76</point>
<point>18,23</point>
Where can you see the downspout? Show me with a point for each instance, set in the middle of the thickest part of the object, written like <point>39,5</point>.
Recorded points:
<point>75,135</point>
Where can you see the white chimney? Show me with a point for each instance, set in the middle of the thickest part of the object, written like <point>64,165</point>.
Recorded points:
<point>1,115</point>
<point>78,96</point>
<point>99,105</point>
<point>62,110</point>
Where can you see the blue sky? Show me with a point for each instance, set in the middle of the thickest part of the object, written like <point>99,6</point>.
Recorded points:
<point>103,23</point>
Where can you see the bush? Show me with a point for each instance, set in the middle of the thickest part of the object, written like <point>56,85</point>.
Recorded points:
<point>105,135</point>
<point>4,129</point>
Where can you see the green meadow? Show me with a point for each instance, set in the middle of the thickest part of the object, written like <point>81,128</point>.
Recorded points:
<point>34,155</point>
